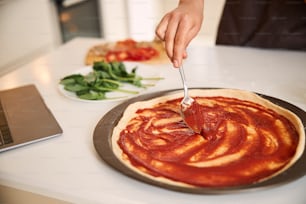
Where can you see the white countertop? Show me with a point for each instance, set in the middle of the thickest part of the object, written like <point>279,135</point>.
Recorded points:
<point>68,167</point>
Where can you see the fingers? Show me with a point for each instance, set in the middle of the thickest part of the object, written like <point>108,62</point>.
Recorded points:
<point>181,41</point>
<point>170,36</point>
<point>186,31</point>
<point>179,27</point>
<point>185,55</point>
<point>162,27</point>
<point>170,31</point>
<point>166,31</point>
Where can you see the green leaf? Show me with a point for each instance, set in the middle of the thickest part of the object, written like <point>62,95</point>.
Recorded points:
<point>92,95</point>
<point>90,77</point>
<point>102,74</point>
<point>75,87</point>
<point>74,76</point>
<point>101,66</point>
<point>67,81</point>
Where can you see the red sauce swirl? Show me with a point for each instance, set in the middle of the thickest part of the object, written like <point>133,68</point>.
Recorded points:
<point>244,143</point>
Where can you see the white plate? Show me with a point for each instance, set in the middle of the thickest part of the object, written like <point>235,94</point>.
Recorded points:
<point>145,71</point>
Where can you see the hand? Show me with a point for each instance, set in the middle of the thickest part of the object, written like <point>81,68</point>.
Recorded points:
<point>178,27</point>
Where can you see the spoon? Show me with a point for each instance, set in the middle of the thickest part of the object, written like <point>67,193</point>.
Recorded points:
<point>190,108</point>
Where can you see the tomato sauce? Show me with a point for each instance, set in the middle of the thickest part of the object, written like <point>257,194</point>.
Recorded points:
<point>243,142</point>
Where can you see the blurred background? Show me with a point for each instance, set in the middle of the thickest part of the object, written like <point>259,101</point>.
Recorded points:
<point>30,28</point>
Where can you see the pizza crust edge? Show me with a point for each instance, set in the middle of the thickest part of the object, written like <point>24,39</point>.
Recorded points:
<point>130,112</point>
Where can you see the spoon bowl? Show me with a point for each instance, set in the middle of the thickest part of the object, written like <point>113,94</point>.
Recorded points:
<point>189,107</point>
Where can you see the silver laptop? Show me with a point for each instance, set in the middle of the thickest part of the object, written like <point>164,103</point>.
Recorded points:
<point>25,118</point>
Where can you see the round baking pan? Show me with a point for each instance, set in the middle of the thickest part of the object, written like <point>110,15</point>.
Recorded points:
<point>103,145</point>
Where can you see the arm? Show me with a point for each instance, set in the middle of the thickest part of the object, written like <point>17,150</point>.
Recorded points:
<point>178,27</point>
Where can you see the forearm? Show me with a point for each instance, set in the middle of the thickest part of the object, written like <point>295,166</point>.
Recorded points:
<point>198,3</point>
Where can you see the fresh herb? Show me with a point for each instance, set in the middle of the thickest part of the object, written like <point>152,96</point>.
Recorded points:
<point>105,77</point>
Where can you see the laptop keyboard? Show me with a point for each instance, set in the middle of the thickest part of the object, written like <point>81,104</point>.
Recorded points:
<point>5,134</point>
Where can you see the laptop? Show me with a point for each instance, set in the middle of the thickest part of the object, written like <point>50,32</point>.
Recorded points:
<point>25,118</point>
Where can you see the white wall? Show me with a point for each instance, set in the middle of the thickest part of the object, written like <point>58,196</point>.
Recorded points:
<point>138,18</point>
<point>27,30</point>
<point>114,19</point>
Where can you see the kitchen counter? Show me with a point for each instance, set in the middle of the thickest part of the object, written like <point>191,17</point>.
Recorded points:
<point>68,168</point>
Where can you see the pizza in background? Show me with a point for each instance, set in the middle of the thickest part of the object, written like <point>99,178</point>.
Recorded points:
<point>250,139</point>
<point>128,50</point>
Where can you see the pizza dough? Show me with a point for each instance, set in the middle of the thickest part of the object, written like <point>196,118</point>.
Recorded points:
<point>253,140</point>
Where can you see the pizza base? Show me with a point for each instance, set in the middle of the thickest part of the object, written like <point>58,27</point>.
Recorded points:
<point>130,113</point>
